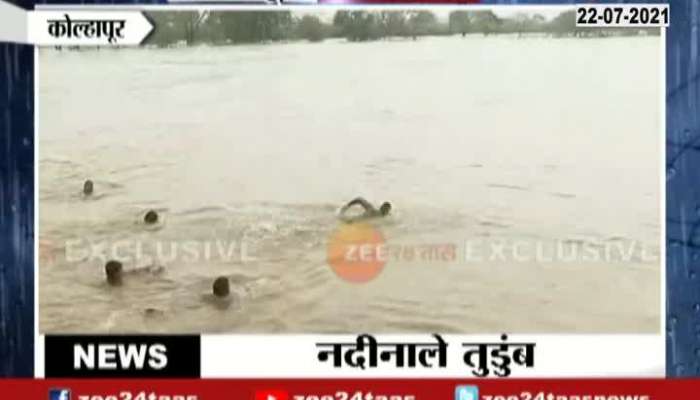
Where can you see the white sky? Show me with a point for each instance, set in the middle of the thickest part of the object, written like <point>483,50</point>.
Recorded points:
<point>547,12</point>
<point>442,12</point>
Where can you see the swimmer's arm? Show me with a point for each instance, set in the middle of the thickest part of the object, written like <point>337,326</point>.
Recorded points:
<point>146,269</point>
<point>358,201</point>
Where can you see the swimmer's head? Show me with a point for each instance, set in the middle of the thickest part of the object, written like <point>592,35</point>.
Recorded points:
<point>88,187</point>
<point>151,217</point>
<point>221,287</point>
<point>385,208</point>
<point>114,270</point>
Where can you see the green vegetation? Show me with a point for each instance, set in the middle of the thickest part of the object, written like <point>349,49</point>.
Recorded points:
<point>311,28</point>
<point>221,27</point>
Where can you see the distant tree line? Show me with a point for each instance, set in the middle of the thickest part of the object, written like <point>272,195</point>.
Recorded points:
<point>221,27</point>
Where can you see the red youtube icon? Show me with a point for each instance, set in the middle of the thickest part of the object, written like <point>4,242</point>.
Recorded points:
<point>271,395</point>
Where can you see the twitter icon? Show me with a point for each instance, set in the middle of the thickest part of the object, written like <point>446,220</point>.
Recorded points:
<point>467,392</point>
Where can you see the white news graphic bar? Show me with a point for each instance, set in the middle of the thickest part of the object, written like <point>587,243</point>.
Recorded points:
<point>622,15</point>
<point>88,28</point>
<point>295,356</point>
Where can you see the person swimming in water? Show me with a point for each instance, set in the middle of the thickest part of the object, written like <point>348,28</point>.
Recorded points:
<point>114,270</point>
<point>220,296</point>
<point>88,187</point>
<point>221,287</point>
<point>369,210</point>
<point>151,217</point>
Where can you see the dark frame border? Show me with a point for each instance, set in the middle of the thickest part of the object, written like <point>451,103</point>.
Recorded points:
<point>16,210</point>
<point>682,190</point>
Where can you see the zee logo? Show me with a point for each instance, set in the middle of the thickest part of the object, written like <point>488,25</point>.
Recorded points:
<point>109,356</point>
<point>59,394</point>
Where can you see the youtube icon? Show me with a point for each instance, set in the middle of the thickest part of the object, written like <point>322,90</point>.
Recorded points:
<point>271,395</point>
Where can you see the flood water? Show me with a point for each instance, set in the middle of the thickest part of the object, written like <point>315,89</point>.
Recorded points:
<point>248,151</point>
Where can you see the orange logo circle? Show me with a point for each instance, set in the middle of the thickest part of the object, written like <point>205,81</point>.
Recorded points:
<point>357,252</point>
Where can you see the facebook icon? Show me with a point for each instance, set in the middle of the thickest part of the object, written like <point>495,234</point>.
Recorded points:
<point>59,394</point>
<point>467,393</point>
